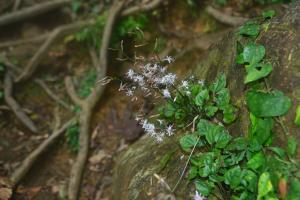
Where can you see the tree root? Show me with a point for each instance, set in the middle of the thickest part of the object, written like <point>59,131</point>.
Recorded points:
<point>23,41</point>
<point>22,170</point>
<point>32,11</point>
<point>88,105</point>
<point>53,37</point>
<point>13,104</point>
<point>224,18</point>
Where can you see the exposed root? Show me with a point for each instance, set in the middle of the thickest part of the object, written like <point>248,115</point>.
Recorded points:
<point>141,8</point>
<point>53,96</point>
<point>89,104</point>
<point>224,18</point>
<point>72,92</point>
<point>41,53</point>
<point>13,104</point>
<point>22,170</point>
<point>23,41</point>
<point>32,11</point>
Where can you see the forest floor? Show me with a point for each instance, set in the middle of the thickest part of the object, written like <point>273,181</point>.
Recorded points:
<point>113,125</point>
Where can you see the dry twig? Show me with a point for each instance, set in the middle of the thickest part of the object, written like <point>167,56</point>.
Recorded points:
<point>23,41</point>
<point>32,11</point>
<point>224,18</point>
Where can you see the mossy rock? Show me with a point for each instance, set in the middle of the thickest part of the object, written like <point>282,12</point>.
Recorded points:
<point>134,173</point>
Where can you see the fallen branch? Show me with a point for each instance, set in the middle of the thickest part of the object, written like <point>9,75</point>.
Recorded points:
<point>22,170</point>
<point>13,104</point>
<point>41,53</point>
<point>32,11</point>
<point>224,18</point>
<point>89,104</point>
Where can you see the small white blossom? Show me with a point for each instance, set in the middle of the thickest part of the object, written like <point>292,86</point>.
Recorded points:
<point>148,127</point>
<point>188,93</point>
<point>130,74</point>
<point>201,82</point>
<point>198,196</point>
<point>169,59</point>
<point>160,121</point>
<point>163,69</point>
<point>129,93</point>
<point>185,84</point>
<point>166,93</point>
<point>168,79</point>
<point>170,130</point>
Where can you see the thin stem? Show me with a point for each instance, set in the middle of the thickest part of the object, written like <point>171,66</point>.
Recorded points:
<point>186,164</point>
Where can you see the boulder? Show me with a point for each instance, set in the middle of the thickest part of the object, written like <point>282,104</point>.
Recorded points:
<point>147,169</point>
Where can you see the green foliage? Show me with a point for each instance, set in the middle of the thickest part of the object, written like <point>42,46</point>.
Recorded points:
<point>72,136</point>
<point>297,118</point>
<point>263,104</point>
<point>132,25</point>
<point>268,14</point>
<point>250,28</point>
<point>87,84</point>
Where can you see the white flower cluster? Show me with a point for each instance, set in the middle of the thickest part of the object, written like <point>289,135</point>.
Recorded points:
<point>151,76</point>
<point>198,196</point>
<point>158,133</point>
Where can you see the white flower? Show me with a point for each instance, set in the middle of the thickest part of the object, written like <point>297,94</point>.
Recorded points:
<point>168,79</point>
<point>201,82</point>
<point>148,127</point>
<point>129,93</point>
<point>163,69</point>
<point>130,73</point>
<point>185,84</point>
<point>170,130</point>
<point>198,196</point>
<point>160,121</point>
<point>188,93</point>
<point>169,59</point>
<point>166,93</point>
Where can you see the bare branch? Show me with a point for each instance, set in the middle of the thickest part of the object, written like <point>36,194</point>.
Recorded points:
<point>72,92</point>
<point>22,170</point>
<point>224,18</point>
<point>13,104</point>
<point>32,11</point>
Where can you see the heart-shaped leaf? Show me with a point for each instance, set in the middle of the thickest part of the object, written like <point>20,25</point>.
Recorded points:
<point>253,53</point>
<point>249,29</point>
<point>257,71</point>
<point>267,104</point>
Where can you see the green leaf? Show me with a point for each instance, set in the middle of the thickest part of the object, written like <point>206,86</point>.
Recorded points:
<point>249,29</point>
<point>219,84</point>
<point>187,142</point>
<point>201,97</point>
<point>253,53</point>
<point>256,161</point>
<point>257,71</point>
<point>214,134</point>
<point>267,104</point>
<point>229,114</point>
<point>251,180</point>
<point>291,146</point>
<point>210,111</point>
<point>193,173</point>
<point>233,177</point>
<point>264,185</point>
<point>169,110</point>
<point>261,129</point>
<point>239,143</point>
<point>294,190</point>
<point>268,14</point>
<point>297,118</point>
<point>222,98</point>
<point>1,95</point>
<point>279,151</point>
<point>203,187</point>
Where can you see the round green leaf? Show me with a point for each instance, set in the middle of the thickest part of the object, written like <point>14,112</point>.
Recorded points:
<point>267,104</point>
<point>257,71</point>
<point>253,53</point>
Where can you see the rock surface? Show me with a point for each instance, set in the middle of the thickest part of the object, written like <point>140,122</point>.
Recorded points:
<point>135,177</point>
